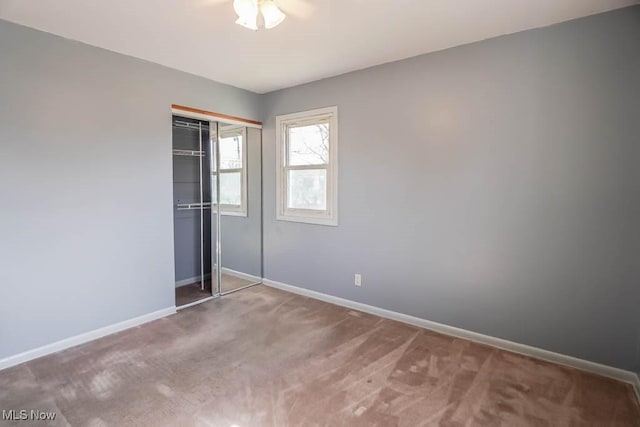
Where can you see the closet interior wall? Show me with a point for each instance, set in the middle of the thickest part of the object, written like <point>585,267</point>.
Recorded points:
<point>191,186</point>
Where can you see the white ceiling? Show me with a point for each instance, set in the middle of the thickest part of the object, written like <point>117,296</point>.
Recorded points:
<point>320,38</point>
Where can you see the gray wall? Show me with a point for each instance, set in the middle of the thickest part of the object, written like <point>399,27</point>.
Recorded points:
<point>493,187</point>
<point>85,184</point>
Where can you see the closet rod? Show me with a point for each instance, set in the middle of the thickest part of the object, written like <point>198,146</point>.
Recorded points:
<point>186,125</point>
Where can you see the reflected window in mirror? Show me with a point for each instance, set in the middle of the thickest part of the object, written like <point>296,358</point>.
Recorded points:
<point>233,170</point>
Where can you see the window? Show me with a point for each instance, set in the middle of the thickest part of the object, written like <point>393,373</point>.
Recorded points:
<point>233,171</point>
<point>307,166</point>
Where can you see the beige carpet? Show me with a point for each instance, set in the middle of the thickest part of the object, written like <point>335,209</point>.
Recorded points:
<point>263,357</point>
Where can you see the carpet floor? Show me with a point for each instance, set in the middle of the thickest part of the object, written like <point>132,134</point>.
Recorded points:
<point>264,357</point>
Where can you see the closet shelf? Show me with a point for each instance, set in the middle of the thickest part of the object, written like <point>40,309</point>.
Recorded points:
<point>192,153</point>
<point>192,206</point>
<point>189,125</point>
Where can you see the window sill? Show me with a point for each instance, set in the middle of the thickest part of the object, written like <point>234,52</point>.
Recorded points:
<point>333,222</point>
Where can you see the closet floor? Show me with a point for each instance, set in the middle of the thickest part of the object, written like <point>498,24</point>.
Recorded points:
<point>191,293</point>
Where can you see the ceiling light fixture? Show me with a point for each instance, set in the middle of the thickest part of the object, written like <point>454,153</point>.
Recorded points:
<point>247,11</point>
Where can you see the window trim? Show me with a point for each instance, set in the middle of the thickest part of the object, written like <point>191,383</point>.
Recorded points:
<point>324,217</point>
<point>235,210</point>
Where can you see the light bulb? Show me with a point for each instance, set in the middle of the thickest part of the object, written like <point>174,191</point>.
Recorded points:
<point>271,14</point>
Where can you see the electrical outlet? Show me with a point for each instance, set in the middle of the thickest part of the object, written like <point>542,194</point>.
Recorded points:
<point>358,280</point>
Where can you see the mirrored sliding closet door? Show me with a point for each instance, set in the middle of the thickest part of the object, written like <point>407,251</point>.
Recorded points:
<point>240,194</point>
<point>217,195</point>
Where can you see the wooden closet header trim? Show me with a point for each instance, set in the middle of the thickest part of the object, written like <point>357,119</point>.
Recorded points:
<point>225,117</point>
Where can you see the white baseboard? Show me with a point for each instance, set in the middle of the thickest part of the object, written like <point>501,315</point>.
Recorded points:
<point>241,275</point>
<point>83,338</point>
<point>584,365</point>
<point>191,304</point>
<point>191,280</point>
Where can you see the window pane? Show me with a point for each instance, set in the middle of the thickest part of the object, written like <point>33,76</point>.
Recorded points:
<point>308,145</point>
<point>307,189</point>
<point>231,152</point>
<point>230,188</point>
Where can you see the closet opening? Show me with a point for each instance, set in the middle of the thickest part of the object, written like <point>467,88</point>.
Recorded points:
<point>217,198</point>
<point>192,202</point>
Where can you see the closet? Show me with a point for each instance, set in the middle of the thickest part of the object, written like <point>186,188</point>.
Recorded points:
<point>217,205</point>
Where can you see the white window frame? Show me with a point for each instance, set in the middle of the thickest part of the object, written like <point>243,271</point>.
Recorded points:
<point>311,216</point>
<point>236,210</point>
